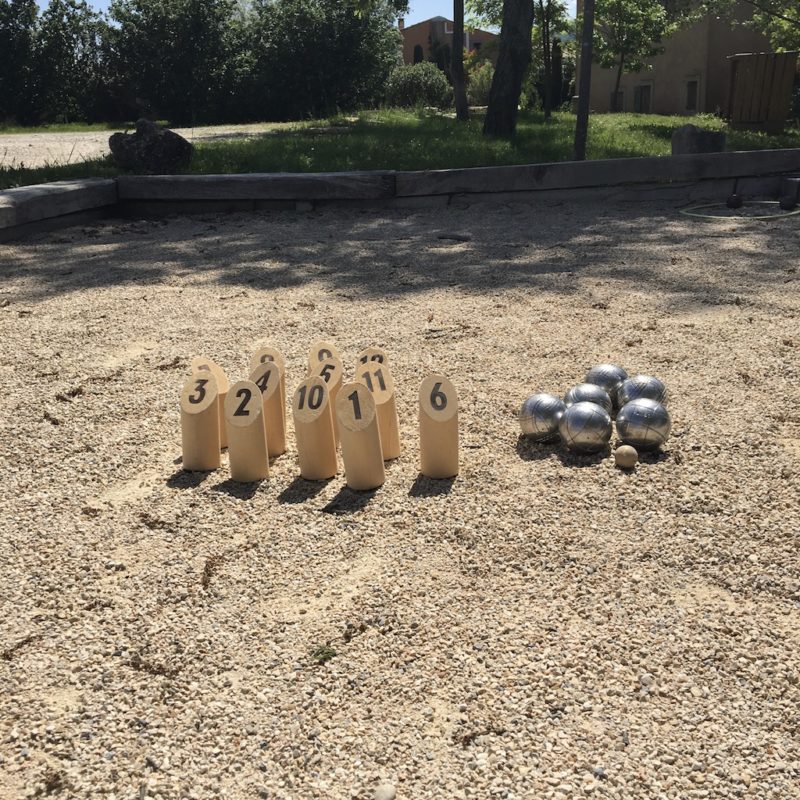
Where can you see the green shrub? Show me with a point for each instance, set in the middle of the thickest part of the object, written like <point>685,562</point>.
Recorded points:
<point>422,84</point>
<point>479,84</point>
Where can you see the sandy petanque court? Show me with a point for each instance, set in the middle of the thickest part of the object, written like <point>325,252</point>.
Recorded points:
<point>544,626</point>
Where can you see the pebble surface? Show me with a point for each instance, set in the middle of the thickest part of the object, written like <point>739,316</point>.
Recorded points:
<point>544,626</point>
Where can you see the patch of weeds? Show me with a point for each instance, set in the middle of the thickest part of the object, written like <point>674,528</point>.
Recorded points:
<point>212,566</point>
<point>323,653</point>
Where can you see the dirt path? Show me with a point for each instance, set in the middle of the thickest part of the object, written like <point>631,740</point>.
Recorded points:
<point>38,149</point>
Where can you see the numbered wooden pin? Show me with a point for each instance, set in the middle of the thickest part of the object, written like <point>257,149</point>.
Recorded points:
<point>200,423</point>
<point>261,356</point>
<point>360,437</point>
<point>203,364</point>
<point>331,370</point>
<point>369,355</point>
<point>319,352</point>
<point>247,434</point>
<point>438,427</point>
<point>267,377</point>
<point>313,428</point>
<point>378,379</point>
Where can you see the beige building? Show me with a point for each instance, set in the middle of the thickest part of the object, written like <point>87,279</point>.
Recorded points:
<point>432,40</point>
<point>691,76</point>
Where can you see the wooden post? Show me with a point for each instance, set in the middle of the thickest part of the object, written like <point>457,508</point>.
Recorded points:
<point>269,379</point>
<point>438,427</point>
<point>201,364</point>
<point>313,428</point>
<point>248,453</point>
<point>268,353</point>
<point>331,370</point>
<point>200,423</point>
<point>370,354</point>
<point>361,439</point>
<point>378,379</point>
<point>319,352</point>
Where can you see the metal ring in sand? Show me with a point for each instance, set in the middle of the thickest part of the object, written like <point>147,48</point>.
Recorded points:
<point>692,212</point>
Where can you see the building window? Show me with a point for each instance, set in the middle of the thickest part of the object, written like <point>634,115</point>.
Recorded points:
<point>642,98</point>
<point>691,95</point>
<point>617,101</point>
<point>448,27</point>
<point>418,54</point>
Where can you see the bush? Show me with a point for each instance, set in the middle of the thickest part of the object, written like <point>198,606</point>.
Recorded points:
<point>422,84</point>
<point>479,84</point>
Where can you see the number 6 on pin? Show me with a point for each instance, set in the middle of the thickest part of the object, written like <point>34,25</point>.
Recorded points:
<point>438,427</point>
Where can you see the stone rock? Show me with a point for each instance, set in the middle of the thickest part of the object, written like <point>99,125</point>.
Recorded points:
<point>385,792</point>
<point>691,139</point>
<point>151,150</point>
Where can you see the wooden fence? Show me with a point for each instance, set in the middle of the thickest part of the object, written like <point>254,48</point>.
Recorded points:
<point>761,90</point>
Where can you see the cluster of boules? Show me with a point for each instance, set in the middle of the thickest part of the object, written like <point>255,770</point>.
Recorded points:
<point>583,419</point>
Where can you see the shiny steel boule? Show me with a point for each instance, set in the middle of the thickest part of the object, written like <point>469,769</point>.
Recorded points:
<point>539,416</point>
<point>642,386</point>
<point>588,393</point>
<point>643,423</point>
<point>608,377</point>
<point>585,427</point>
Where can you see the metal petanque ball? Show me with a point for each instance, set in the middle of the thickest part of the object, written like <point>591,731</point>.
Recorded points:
<point>608,377</point>
<point>588,393</point>
<point>585,427</point>
<point>642,386</point>
<point>539,416</point>
<point>643,423</point>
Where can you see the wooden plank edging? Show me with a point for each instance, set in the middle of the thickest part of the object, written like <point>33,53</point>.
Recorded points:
<point>259,186</point>
<point>28,204</point>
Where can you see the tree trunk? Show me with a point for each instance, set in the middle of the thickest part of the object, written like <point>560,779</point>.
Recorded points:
<point>546,58</point>
<point>459,83</point>
<point>512,62</point>
<point>615,105</point>
<point>585,85</point>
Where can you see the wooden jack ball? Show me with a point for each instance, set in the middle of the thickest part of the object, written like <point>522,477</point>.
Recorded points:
<point>200,422</point>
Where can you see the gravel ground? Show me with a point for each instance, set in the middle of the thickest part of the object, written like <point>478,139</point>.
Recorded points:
<point>545,626</point>
<point>39,149</point>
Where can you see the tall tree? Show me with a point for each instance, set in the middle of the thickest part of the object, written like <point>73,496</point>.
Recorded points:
<point>584,81</point>
<point>512,63</point>
<point>17,38</point>
<point>630,32</point>
<point>68,73</point>
<point>457,69</point>
<point>174,53</point>
<point>778,20</point>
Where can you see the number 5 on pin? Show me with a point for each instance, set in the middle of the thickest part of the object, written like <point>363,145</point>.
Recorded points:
<point>438,427</point>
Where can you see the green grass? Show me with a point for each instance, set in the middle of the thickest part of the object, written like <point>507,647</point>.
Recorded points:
<point>407,140</point>
<point>67,127</point>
